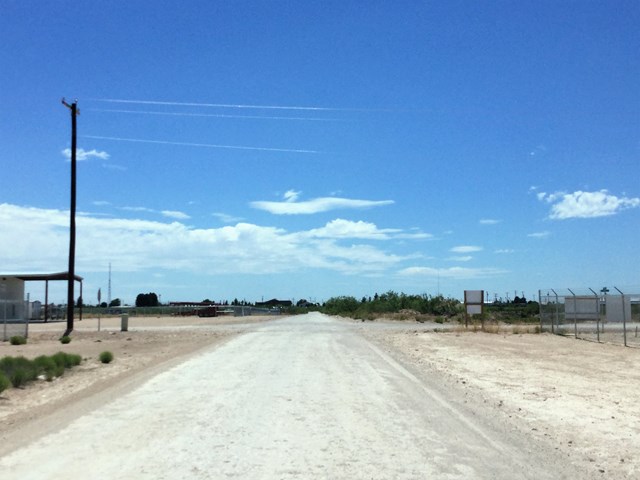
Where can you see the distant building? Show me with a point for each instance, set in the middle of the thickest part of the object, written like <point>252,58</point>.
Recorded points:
<point>13,305</point>
<point>274,303</point>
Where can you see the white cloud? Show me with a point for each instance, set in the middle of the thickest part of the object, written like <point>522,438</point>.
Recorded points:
<point>291,195</point>
<point>465,258</point>
<point>489,221</point>
<point>581,204</point>
<point>292,207</point>
<point>504,250</point>
<point>82,154</point>
<point>101,203</point>
<point>466,249</point>
<point>340,228</point>
<point>461,273</point>
<point>175,214</point>
<point>137,209</point>
<point>225,218</point>
<point>36,239</point>
<point>544,234</point>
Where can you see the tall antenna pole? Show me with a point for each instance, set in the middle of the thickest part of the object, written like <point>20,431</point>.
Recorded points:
<point>72,214</point>
<point>109,293</point>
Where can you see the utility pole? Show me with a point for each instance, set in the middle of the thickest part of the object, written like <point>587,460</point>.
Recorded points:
<point>72,214</point>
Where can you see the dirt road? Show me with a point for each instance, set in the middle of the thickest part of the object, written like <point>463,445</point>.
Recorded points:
<point>302,397</point>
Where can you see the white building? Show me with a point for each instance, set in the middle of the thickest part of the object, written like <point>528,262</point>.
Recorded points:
<point>13,305</point>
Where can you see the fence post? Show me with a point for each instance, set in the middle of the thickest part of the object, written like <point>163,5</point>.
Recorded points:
<point>557,312</point>
<point>540,310</point>
<point>624,317</point>
<point>575,314</point>
<point>597,314</point>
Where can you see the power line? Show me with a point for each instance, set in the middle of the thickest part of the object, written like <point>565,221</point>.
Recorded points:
<point>242,106</point>
<point>202,145</point>
<point>215,115</point>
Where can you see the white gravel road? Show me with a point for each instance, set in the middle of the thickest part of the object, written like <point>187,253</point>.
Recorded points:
<point>302,397</point>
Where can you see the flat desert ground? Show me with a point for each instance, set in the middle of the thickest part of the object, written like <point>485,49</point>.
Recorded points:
<point>580,399</point>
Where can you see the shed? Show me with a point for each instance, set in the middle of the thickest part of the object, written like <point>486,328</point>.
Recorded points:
<point>12,291</point>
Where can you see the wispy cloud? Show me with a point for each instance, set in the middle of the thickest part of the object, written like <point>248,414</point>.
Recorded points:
<point>581,204</point>
<point>82,154</point>
<point>232,105</point>
<point>504,250</point>
<point>291,195</point>
<point>293,207</point>
<point>137,209</point>
<point>175,214</point>
<point>216,115</point>
<point>225,218</point>
<point>489,221</point>
<point>460,273</point>
<point>544,234</point>
<point>201,145</point>
<point>340,228</point>
<point>466,249</point>
<point>465,258</point>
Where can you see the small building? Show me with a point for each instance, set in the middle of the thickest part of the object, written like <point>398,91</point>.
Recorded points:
<point>13,305</point>
<point>274,302</point>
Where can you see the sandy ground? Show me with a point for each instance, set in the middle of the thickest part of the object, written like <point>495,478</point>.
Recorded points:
<point>150,345</point>
<point>302,397</point>
<point>579,399</point>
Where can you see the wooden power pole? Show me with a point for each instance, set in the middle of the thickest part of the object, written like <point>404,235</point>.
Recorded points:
<point>72,222</point>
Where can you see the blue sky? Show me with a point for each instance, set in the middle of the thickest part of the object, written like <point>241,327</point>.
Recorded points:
<point>260,149</point>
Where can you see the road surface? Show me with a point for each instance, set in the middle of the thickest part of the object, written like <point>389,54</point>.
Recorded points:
<point>303,397</point>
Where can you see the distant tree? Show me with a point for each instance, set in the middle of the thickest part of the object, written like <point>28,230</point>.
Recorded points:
<point>147,300</point>
<point>79,303</point>
<point>103,305</point>
<point>206,300</point>
<point>115,302</point>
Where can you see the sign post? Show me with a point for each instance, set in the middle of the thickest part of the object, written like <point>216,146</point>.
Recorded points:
<point>473,304</point>
<point>99,306</point>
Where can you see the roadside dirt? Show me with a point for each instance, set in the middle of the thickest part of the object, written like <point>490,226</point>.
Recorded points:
<point>579,396</point>
<point>150,344</point>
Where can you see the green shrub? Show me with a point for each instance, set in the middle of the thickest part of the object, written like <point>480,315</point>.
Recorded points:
<point>18,340</point>
<point>66,360</point>
<point>65,339</point>
<point>73,360</point>
<point>4,382</point>
<point>18,377</point>
<point>46,366</point>
<point>106,357</point>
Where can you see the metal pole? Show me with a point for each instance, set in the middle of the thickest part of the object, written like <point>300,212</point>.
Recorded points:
<point>72,218</point>
<point>540,309</point>
<point>575,315</point>
<point>624,317</point>
<point>597,314</point>
<point>557,312</point>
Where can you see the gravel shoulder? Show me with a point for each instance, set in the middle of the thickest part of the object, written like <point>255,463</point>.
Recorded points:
<point>571,403</point>
<point>579,397</point>
<point>151,345</point>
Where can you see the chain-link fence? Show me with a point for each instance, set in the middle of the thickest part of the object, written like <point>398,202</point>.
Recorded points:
<point>611,316</point>
<point>13,318</point>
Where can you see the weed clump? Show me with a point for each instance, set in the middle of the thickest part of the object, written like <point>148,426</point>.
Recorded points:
<point>65,339</point>
<point>19,371</point>
<point>18,340</point>
<point>106,357</point>
<point>4,382</point>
